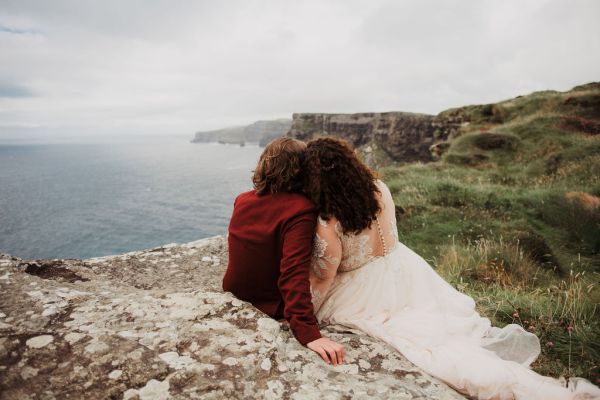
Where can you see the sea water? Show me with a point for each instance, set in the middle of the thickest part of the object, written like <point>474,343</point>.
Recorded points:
<point>82,200</point>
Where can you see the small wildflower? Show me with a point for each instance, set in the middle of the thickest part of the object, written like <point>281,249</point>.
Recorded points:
<point>549,344</point>
<point>531,327</point>
<point>515,315</point>
<point>525,321</point>
<point>570,328</point>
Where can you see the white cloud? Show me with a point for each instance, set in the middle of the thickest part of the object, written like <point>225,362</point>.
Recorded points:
<point>149,67</point>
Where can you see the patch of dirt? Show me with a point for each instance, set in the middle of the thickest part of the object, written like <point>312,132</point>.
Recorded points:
<point>51,270</point>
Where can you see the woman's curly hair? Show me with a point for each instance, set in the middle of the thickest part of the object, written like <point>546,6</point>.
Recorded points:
<point>279,168</point>
<point>340,184</point>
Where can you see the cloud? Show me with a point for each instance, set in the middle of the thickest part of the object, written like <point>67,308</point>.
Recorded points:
<point>148,67</point>
<point>16,31</point>
<point>9,90</point>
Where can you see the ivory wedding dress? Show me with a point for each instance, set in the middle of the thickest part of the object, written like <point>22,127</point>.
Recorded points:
<point>372,282</point>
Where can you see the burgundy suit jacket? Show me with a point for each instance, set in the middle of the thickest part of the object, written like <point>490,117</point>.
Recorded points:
<point>270,244</point>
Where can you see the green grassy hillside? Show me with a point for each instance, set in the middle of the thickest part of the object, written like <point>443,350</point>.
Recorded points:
<point>511,216</point>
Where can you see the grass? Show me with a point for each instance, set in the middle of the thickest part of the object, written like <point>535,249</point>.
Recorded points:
<point>510,287</point>
<point>511,216</point>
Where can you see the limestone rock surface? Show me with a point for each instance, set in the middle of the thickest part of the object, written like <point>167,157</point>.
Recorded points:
<point>155,324</point>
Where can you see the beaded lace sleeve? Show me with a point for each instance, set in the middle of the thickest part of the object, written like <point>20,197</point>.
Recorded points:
<point>326,255</point>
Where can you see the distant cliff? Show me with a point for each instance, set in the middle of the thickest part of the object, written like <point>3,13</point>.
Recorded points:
<point>381,137</point>
<point>261,132</point>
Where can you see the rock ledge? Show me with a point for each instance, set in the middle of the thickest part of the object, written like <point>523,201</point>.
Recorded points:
<point>155,324</point>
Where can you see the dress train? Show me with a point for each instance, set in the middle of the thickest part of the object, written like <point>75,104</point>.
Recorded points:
<point>401,300</point>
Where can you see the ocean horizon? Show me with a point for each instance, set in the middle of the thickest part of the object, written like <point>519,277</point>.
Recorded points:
<point>95,198</point>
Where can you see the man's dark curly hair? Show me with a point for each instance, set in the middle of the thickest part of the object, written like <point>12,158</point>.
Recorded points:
<point>340,184</point>
<point>279,168</point>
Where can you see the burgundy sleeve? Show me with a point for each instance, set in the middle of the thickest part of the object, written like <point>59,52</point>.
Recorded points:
<point>293,281</point>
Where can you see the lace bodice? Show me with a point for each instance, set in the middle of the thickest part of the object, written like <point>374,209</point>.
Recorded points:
<point>357,249</point>
<point>335,252</point>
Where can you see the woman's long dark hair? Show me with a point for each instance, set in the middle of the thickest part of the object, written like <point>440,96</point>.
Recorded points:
<point>340,184</point>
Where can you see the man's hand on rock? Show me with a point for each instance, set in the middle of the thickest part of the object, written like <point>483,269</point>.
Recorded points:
<point>330,351</point>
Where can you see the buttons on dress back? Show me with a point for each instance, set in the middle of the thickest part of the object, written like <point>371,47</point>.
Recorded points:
<point>381,236</point>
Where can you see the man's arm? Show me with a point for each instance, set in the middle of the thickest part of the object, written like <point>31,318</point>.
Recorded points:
<point>295,288</point>
<point>293,280</point>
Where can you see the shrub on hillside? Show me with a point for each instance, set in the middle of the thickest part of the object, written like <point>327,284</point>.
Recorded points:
<point>492,141</point>
<point>574,123</point>
<point>471,160</point>
<point>538,250</point>
<point>581,222</point>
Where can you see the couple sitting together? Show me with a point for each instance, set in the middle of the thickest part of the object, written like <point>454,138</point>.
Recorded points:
<point>315,242</point>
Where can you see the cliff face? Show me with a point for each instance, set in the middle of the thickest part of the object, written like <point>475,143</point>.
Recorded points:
<point>261,132</point>
<point>381,137</point>
<point>155,324</point>
<point>265,131</point>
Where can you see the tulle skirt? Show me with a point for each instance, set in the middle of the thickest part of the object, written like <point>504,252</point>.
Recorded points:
<point>401,300</point>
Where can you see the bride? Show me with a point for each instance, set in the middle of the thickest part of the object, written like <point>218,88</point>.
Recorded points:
<point>364,278</point>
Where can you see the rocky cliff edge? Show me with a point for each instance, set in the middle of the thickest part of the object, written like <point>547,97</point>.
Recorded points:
<point>155,324</point>
<point>382,138</point>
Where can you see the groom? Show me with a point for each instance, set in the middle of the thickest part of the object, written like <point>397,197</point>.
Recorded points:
<point>270,245</point>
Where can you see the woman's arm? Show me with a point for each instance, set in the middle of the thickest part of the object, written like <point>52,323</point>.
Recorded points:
<point>326,257</point>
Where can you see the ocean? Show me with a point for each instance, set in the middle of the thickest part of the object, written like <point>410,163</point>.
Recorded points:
<point>82,200</point>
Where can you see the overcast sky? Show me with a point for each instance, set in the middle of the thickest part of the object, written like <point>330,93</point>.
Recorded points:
<point>109,68</point>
